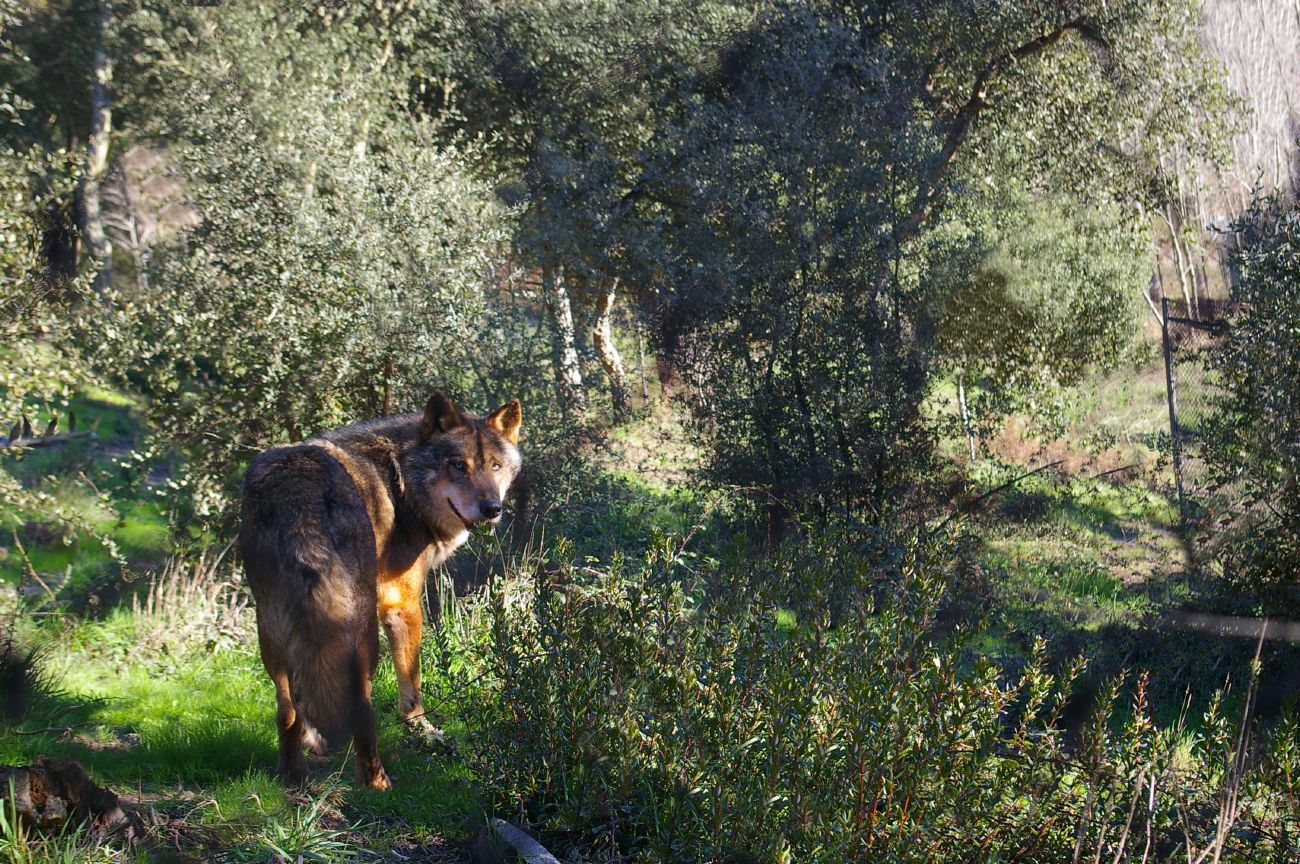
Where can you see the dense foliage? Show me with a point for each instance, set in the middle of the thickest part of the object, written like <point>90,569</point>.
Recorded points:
<point>782,717</point>
<point>1254,437</point>
<point>802,279</point>
<point>339,262</point>
<point>814,216</point>
<point>40,360</point>
<point>1049,301</point>
<point>319,213</point>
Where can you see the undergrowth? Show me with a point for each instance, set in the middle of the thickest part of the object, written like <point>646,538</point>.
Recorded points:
<point>814,707</point>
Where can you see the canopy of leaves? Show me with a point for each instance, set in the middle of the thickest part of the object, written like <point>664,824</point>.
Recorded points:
<point>40,361</point>
<point>797,198</point>
<point>339,260</point>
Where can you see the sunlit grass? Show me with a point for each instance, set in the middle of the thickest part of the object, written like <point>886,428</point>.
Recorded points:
<point>203,723</point>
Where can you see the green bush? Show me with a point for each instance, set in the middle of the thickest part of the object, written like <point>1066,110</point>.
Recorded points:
<point>1253,438</point>
<point>812,712</point>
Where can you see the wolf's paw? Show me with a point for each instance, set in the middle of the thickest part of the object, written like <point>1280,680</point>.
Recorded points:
<point>428,734</point>
<point>292,772</point>
<point>375,778</point>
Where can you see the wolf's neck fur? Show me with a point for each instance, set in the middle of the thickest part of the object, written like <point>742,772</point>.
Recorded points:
<point>402,526</point>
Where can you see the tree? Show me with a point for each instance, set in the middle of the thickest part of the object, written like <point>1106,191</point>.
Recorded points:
<point>340,263</point>
<point>569,97</point>
<point>798,198</point>
<point>41,360</point>
<point>101,128</point>
<point>1050,298</point>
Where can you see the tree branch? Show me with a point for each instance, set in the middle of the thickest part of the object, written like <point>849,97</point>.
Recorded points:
<point>960,125</point>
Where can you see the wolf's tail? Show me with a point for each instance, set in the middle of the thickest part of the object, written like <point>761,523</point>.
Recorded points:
<point>309,553</point>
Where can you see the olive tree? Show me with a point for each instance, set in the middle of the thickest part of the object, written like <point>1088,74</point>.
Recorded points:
<point>571,97</point>
<point>40,361</point>
<point>1048,294</point>
<point>340,260</point>
<point>799,197</point>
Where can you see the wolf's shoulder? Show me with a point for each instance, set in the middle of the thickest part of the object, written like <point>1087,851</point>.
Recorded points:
<point>398,431</point>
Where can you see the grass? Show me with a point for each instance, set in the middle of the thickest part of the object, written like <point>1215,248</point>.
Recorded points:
<point>1096,567</point>
<point>184,724</point>
<point>192,735</point>
<point>92,488</point>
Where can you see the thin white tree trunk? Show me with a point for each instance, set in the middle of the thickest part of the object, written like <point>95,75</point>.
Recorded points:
<point>602,338</point>
<point>640,354</point>
<point>568,371</point>
<point>965,416</point>
<point>101,126</point>
<point>1179,261</point>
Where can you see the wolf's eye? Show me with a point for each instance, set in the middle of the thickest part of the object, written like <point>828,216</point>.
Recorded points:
<point>458,464</point>
<point>496,466</point>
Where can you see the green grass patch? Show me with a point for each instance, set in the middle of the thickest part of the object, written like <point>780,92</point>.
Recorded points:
<point>609,513</point>
<point>142,529</point>
<point>248,800</point>
<point>205,724</point>
<point>92,499</point>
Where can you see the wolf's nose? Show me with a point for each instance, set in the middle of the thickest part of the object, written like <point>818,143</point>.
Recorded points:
<point>490,508</point>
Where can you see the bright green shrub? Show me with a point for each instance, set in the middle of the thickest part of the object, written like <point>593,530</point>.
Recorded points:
<point>773,714</point>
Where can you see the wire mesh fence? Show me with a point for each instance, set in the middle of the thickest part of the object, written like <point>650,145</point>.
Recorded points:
<point>1189,336</point>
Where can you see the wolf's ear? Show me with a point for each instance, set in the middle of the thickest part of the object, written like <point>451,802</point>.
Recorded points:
<point>507,419</point>
<point>439,416</point>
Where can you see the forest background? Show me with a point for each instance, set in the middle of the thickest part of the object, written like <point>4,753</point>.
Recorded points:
<point>849,528</point>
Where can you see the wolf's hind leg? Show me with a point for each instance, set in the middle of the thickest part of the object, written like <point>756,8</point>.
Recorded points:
<point>292,767</point>
<point>370,771</point>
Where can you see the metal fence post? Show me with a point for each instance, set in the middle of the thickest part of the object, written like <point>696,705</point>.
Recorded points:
<point>1172,393</point>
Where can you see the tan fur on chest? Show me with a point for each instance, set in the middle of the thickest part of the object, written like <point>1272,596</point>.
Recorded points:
<point>401,582</point>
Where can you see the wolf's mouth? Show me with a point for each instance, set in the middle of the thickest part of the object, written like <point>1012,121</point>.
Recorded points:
<point>469,526</point>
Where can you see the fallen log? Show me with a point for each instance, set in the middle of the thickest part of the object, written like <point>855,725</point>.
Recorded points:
<point>501,842</point>
<point>49,793</point>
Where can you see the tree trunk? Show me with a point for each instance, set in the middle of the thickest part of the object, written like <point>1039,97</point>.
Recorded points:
<point>602,338</point>
<point>101,126</point>
<point>1169,215</point>
<point>568,372</point>
<point>640,354</point>
<point>965,417</point>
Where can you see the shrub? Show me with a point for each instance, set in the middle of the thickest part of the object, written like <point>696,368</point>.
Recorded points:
<point>775,714</point>
<point>1253,437</point>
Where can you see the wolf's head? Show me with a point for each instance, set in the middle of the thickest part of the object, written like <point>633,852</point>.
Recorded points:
<point>458,474</point>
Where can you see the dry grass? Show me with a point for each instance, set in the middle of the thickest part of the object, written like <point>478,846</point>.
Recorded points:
<point>199,598</point>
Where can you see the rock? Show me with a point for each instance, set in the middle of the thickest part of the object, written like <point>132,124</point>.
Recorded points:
<point>49,792</point>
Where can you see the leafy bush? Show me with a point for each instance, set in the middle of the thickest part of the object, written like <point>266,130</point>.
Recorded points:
<point>774,713</point>
<point>803,351</point>
<point>1054,298</point>
<point>337,265</point>
<point>1253,438</point>
<point>39,362</point>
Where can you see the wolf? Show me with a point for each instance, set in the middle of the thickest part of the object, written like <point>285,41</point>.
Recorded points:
<point>337,535</point>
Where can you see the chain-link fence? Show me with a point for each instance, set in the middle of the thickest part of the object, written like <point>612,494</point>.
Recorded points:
<point>1190,334</point>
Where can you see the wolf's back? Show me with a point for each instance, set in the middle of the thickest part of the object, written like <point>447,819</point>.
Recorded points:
<point>309,554</point>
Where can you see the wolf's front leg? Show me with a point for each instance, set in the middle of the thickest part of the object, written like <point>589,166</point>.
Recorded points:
<point>403,624</point>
